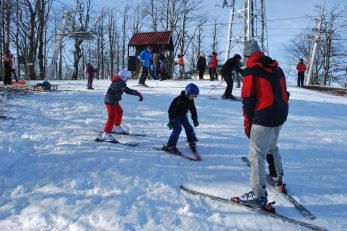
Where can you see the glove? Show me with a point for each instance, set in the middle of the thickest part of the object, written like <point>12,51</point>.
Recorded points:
<point>140,96</point>
<point>196,123</point>
<point>171,124</point>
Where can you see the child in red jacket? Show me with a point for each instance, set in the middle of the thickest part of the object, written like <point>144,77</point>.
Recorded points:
<point>112,98</point>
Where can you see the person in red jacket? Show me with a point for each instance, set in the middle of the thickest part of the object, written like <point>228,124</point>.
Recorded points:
<point>265,108</point>
<point>301,70</point>
<point>213,67</point>
<point>114,110</point>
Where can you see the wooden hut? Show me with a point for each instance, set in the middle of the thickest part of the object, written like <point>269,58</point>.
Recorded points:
<point>160,41</point>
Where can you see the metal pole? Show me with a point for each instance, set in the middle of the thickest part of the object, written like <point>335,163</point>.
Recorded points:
<point>315,46</point>
<point>231,19</point>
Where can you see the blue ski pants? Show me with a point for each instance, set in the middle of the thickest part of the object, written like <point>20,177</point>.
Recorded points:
<point>179,122</point>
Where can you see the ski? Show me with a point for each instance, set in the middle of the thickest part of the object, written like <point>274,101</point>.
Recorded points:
<point>125,133</point>
<point>177,154</point>
<point>233,99</point>
<point>129,133</point>
<point>255,209</point>
<point>301,209</point>
<point>115,142</point>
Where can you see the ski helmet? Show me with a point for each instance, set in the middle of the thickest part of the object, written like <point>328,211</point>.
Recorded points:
<point>124,74</point>
<point>192,89</point>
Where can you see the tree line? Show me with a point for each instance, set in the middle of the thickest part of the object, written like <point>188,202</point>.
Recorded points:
<point>330,64</point>
<point>29,28</point>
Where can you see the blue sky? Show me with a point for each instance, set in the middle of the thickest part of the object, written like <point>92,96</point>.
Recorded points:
<point>279,31</point>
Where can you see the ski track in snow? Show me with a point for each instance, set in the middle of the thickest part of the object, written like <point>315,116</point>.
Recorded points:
<point>53,176</point>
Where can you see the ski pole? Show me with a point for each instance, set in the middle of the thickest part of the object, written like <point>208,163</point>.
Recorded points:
<point>215,86</point>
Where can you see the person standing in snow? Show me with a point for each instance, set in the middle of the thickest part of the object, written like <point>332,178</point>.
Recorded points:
<point>301,68</point>
<point>145,58</point>
<point>112,98</point>
<point>178,117</point>
<point>7,62</point>
<point>265,109</point>
<point>180,63</point>
<point>213,67</point>
<point>201,65</point>
<point>162,67</point>
<point>13,69</point>
<point>231,65</point>
<point>90,70</point>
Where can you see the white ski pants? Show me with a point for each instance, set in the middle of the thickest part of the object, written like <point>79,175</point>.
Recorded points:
<point>263,140</point>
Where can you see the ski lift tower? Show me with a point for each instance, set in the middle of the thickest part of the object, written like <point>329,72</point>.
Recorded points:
<point>82,35</point>
<point>250,14</point>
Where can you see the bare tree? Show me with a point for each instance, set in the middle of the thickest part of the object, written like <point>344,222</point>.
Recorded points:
<point>124,32</point>
<point>152,10</point>
<point>215,36</point>
<point>7,10</point>
<point>331,57</point>
<point>43,10</point>
<point>112,33</point>
<point>80,23</point>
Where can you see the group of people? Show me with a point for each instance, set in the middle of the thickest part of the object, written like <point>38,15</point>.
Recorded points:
<point>152,65</point>
<point>212,63</point>
<point>8,62</point>
<point>265,109</point>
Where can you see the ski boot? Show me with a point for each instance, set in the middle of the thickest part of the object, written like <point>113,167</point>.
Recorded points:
<point>108,137</point>
<point>251,200</point>
<point>277,182</point>
<point>118,130</point>
<point>195,152</point>
<point>171,149</point>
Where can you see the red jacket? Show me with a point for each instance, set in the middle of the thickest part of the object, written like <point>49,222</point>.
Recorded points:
<point>301,67</point>
<point>214,62</point>
<point>264,92</point>
<point>7,60</point>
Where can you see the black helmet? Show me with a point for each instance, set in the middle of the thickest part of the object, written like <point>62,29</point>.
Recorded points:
<point>237,56</point>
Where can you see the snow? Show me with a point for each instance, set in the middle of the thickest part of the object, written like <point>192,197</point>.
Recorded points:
<point>54,177</point>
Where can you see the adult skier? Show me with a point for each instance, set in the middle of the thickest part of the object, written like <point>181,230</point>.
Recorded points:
<point>90,70</point>
<point>145,58</point>
<point>265,109</point>
<point>301,68</point>
<point>232,64</point>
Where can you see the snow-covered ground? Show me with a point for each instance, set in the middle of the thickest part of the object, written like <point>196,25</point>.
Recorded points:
<point>53,176</point>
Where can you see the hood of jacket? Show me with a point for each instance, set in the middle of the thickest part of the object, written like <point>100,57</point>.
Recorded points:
<point>264,62</point>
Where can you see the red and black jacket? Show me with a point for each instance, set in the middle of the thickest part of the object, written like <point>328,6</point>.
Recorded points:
<point>264,92</point>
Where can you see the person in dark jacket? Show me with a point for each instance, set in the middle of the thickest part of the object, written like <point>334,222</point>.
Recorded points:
<point>112,98</point>
<point>265,108</point>
<point>90,70</point>
<point>178,117</point>
<point>162,67</point>
<point>301,68</point>
<point>201,65</point>
<point>7,62</point>
<point>232,64</point>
